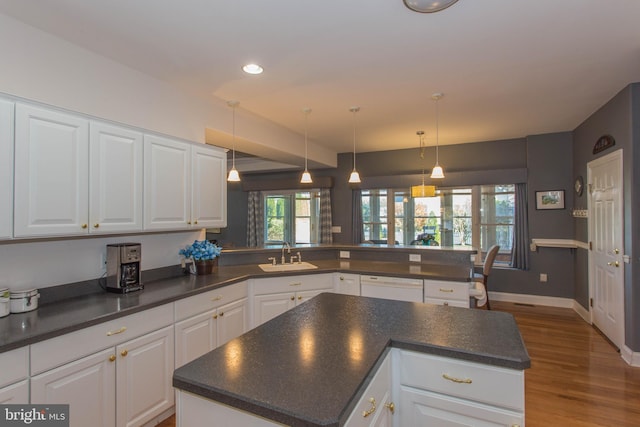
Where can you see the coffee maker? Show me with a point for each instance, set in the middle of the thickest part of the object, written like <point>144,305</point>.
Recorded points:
<point>123,267</point>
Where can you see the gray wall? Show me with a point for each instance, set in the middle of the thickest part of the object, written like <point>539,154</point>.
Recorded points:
<point>620,117</point>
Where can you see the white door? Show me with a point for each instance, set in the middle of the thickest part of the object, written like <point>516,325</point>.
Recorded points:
<point>208,187</point>
<point>6,169</point>
<point>195,336</point>
<point>268,306</point>
<point>232,321</point>
<point>607,240</point>
<point>167,180</point>
<point>115,180</point>
<point>143,378</point>
<point>51,171</point>
<point>87,385</point>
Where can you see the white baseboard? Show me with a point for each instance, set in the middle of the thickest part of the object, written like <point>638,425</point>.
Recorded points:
<point>532,299</point>
<point>632,358</point>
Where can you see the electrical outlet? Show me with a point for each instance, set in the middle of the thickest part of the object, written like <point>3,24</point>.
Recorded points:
<point>415,258</point>
<point>543,277</point>
<point>103,261</point>
<point>345,254</point>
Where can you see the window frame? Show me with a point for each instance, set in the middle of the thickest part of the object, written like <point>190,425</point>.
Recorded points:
<point>289,217</point>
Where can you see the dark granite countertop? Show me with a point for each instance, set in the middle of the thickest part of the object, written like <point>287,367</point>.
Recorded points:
<point>307,366</point>
<point>97,306</point>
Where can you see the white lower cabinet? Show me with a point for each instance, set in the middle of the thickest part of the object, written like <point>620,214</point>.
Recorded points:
<point>394,288</point>
<point>375,408</point>
<point>346,283</point>
<point>117,373</point>
<point>275,295</point>
<point>14,383</point>
<point>444,292</point>
<point>439,391</point>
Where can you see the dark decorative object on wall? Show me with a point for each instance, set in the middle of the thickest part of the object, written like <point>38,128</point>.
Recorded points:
<point>603,143</point>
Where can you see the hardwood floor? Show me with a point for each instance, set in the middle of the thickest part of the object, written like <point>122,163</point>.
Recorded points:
<point>577,378</point>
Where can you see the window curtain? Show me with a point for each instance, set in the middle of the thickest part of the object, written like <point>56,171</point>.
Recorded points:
<point>356,219</point>
<point>520,247</point>
<point>255,220</point>
<point>325,216</point>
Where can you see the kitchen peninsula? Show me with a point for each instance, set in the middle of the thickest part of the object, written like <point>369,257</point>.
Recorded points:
<point>311,365</point>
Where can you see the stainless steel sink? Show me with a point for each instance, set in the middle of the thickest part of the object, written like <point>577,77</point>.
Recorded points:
<point>287,267</point>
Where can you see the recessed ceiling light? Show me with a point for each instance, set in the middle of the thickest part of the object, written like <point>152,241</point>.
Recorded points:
<point>252,69</point>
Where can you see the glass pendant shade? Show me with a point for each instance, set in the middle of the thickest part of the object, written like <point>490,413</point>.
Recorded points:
<point>306,178</point>
<point>354,178</point>
<point>233,176</point>
<point>428,6</point>
<point>437,172</point>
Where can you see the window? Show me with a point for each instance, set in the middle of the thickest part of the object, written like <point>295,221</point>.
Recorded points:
<point>291,216</point>
<point>477,216</point>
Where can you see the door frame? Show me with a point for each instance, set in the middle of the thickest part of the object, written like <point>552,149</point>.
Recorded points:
<point>618,157</point>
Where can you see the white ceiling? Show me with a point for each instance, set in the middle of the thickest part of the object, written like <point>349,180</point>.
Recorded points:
<point>508,68</point>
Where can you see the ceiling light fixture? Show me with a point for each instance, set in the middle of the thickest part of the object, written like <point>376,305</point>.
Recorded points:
<point>306,176</point>
<point>233,176</point>
<point>252,69</point>
<point>437,172</point>
<point>428,6</point>
<point>422,190</point>
<point>354,178</point>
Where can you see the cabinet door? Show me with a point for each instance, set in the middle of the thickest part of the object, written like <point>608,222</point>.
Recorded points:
<point>15,393</point>
<point>372,409</point>
<point>303,296</point>
<point>6,169</point>
<point>51,173</point>
<point>232,321</point>
<point>167,178</point>
<point>208,187</point>
<point>87,385</point>
<point>348,284</point>
<point>115,167</point>
<point>195,336</point>
<point>143,377</point>
<point>266,307</point>
<point>422,408</point>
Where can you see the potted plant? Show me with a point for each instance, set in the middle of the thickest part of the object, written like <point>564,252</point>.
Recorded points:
<point>204,256</point>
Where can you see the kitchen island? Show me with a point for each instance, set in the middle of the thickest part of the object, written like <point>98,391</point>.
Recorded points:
<point>311,365</point>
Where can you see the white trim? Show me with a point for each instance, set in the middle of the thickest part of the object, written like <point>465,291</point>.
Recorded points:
<point>532,299</point>
<point>582,312</point>
<point>558,243</point>
<point>632,358</point>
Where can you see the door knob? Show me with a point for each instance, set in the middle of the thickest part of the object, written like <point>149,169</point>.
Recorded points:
<point>615,264</point>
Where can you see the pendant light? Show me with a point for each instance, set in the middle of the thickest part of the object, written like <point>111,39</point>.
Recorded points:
<point>233,176</point>
<point>354,178</point>
<point>422,190</point>
<point>437,172</point>
<point>428,6</point>
<point>306,176</point>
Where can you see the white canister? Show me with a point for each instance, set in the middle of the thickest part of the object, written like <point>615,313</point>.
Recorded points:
<point>5,306</point>
<point>22,301</point>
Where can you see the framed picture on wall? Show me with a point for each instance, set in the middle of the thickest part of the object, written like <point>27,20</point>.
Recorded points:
<point>553,199</point>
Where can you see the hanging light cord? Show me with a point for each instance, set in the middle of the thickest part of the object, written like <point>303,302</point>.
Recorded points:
<point>306,151</point>
<point>355,110</point>
<point>437,134</point>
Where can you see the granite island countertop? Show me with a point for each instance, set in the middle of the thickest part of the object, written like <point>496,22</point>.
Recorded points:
<point>76,312</point>
<point>307,366</point>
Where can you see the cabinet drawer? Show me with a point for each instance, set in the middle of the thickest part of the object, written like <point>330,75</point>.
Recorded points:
<point>467,380</point>
<point>452,303</point>
<point>72,346</point>
<point>18,363</point>
<point>447,290</point>
<point>205,301</point>
<point>297,283</point>
<point>374,398</point>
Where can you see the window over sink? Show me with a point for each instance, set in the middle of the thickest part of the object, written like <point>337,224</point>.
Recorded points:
<point>292,216</point>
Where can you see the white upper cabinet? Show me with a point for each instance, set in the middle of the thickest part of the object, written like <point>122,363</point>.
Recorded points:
<point>115,196</point>
<point>208,186</point>
<point>184,185</point>
<point>51,169</point>
<point>6,169</point>
<point>167,178</point>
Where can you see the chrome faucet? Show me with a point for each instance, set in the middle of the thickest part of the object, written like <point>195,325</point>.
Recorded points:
<point>288,247</point>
